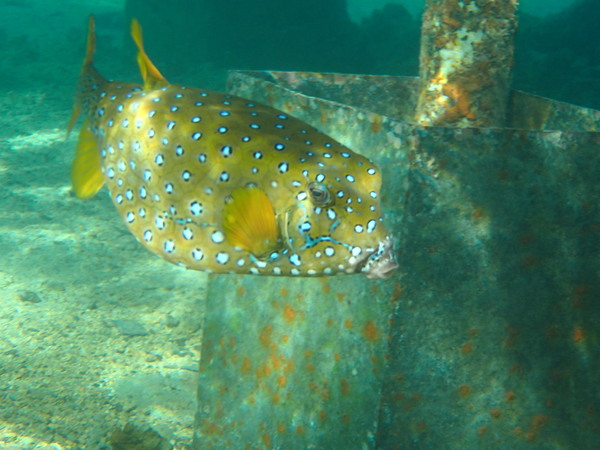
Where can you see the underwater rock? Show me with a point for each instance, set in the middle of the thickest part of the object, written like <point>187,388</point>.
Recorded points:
<point>30,297</point>
<point>133,437</point>
<point>130,327</point>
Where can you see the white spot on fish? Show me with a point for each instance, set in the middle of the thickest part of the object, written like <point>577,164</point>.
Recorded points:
<point>169,246</point>
<point>197,254</point>
<point>222,257</point>
<point>217,237</point>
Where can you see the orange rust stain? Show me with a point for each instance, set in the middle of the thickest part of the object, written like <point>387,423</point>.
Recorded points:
<point>281,381</point>
<point>370,332</point>
<point>466,348</point>
<point>348,323</point>
<point>281,428</point>
<point>310,367</point>
<point>397,292</point>
<point>578,334</point>
<point>462,103</point>
<point>266,438</point>
<point>477,214</point>
<point>263,371</point>
<point>211,428</point>
<point>300,297</point>
<point>266,336</point>
<point>539,421</point>
<point>473,332</point>
<point>337,357</point>
<point>530,261</point>
<point>299,429</point>
<point>246,365</point>
<point>516,369</point>
<point>464,390</point>
<point>495,413</point>
<point>518,431</point>
<point>285,338</point>
<point>323,118</point>
<point>511,338</point>
<point>344,386</point>
<point>329,322</point>
<point>326,288</point>
<point>482,430</point>
<point>275,304</point>
<point>421,426</point>
<point>376,124</point>
<point>526,239</point>
<point>275,361</point>
<point>399,397</point>
<point>308,353</point>
<point>284,292</point>
<point>340,296</point>
<point>326,394</point>
<point>510,396</point>
<point>346,419</point>
<point>323,415</point>
<point>530,435</point>
<point>375,288</point>
<point>289,366</point>
<point>275,398</point>
<point>240,291</point>
<point>289,314</point>
<point>251,400</point>
<point>579,295</point>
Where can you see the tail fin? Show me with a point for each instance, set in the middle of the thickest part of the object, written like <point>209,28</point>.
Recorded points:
<point>153,79</point>
<point>88,61</point>
<point>86,175</point>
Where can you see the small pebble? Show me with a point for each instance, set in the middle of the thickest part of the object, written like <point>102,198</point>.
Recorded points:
<point>130,327</point>
<point>171,321</point>
<point>30,297</point>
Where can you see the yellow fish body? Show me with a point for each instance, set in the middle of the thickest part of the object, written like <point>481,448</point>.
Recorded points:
<point>219,183</point>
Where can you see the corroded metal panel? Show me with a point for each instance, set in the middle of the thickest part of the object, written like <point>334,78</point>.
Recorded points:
<point>493,337</point>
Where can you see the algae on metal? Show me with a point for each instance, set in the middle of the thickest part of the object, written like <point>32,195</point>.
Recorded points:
<point>492,340</point>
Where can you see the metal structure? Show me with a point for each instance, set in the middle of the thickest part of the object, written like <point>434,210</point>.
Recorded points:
<point>488,337</point>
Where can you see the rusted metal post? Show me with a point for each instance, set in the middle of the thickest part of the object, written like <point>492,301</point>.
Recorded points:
<point>466,62</point>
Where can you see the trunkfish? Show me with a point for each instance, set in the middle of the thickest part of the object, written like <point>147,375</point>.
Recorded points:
<point>219,183</point>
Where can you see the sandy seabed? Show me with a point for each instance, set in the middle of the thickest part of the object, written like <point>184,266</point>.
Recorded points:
<point>96,331</point>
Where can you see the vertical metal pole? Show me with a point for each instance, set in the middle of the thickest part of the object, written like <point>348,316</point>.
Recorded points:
<point>466,62</point>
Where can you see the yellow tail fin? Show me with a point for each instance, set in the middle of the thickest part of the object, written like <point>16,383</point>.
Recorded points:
<point>86,176</point>
<point>150,74</point>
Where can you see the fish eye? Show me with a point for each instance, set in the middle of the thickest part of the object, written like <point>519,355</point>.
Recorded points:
<point>319,193</point>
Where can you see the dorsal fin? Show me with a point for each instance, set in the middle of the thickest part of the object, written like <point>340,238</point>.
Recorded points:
<point>153,79</point>
<point>87,61</point>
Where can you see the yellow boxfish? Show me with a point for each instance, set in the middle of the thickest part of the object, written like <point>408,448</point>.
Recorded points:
<point>219,183</point>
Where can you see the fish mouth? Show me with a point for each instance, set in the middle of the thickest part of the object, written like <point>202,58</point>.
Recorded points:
<point>381,263</point>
